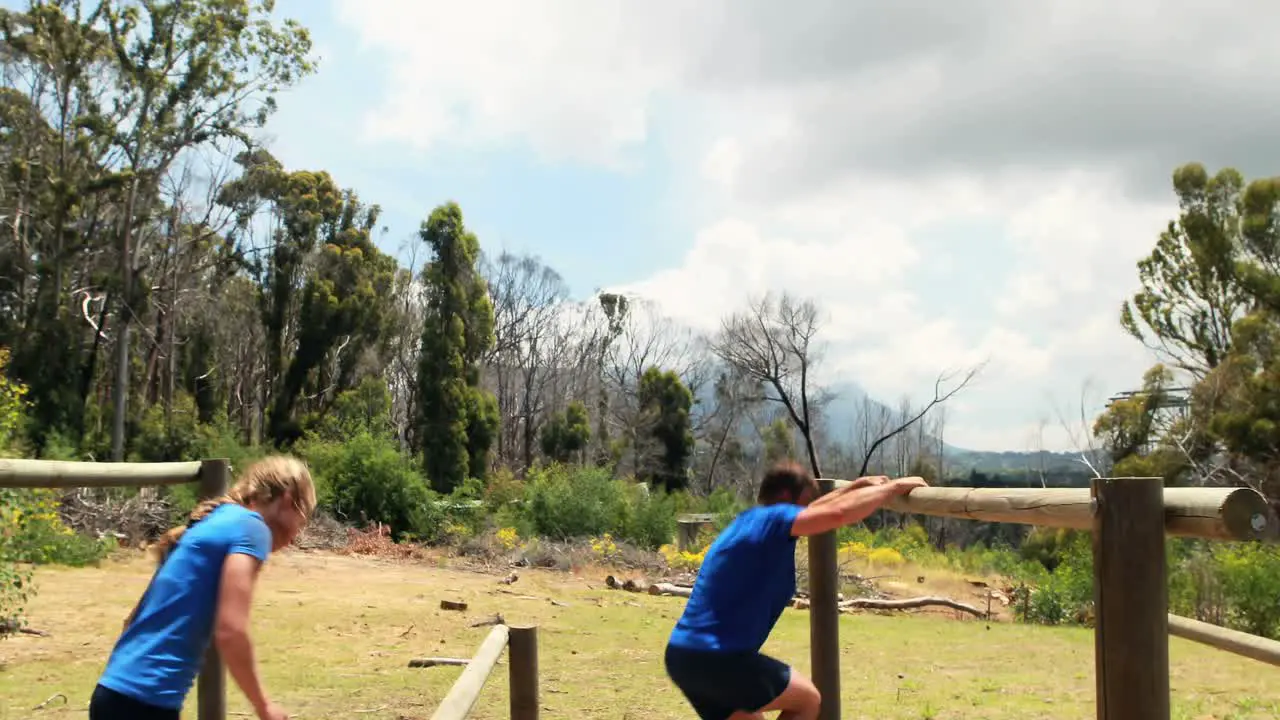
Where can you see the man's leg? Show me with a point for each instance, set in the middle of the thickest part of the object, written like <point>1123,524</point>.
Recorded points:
<point>799,701</point>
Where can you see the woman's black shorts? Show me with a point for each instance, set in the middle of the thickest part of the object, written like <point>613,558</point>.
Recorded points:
<point>718,684</point>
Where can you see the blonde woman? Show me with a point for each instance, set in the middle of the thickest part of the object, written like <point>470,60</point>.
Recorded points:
<point>201,592</point>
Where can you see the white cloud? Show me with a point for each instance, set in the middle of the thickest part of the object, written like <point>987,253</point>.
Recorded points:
<point>841,145</point>
<point>563,77</point>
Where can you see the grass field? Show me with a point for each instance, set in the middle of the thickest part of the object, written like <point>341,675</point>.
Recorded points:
<point>335,634</point>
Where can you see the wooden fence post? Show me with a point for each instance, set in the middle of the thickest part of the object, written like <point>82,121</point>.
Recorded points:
<point>824,617</point>
<point>522,652</point>
<point>1130,594</point>
<point>211,687</point>
<point>686,533</point>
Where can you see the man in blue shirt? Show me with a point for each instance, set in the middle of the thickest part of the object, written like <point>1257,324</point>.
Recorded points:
<point>746,580</point>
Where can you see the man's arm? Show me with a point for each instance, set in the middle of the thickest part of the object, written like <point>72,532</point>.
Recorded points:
<point>852,506</point>
<point>231,634</point>
<point>867,481</point>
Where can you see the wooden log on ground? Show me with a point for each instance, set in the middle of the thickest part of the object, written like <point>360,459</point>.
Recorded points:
<point>669,589</point>
<point>1233,641</point>
<point>437,661</point>
<point>66,474</point>
<point>1211,513</point>
<point>466,689</point>
<point>453,605</point>
<point>910,604</point>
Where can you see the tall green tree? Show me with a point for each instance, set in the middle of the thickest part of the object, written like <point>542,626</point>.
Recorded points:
<point>1211,302</point>
<point>664,411</point>
<point>187,73</point>
<point>1190,295</point>
<point>457,418</point>
<point>344,307</point>
<point>55,193</point>
<point>566,433</point>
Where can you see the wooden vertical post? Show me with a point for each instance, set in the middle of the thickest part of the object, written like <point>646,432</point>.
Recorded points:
<point>1130,594</point>
<point>522,651</point>
<point>686,533</point>
<point>211,687</point>
<point>824,617</point>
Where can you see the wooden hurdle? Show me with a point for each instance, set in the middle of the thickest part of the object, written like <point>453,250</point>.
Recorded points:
<point>213,477</point>
<point>522,646</point>
<point>1129,519</point>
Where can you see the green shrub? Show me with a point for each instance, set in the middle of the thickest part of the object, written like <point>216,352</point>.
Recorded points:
<point>35,534</point>
<point>367,479</point>
<point>1249,574</point>
<point>647,520</point>
<point>1064,595</point>
<point>563,502</point>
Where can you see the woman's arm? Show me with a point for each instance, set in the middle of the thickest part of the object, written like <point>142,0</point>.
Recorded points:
<point>231,630</point>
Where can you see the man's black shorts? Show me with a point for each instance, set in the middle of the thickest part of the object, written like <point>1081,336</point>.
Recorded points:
<point>718,684</point>
<point>107,704</point>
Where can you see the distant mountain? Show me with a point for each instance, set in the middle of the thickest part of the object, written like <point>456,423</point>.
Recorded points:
<point>961,461</point>
<point>848,406</point>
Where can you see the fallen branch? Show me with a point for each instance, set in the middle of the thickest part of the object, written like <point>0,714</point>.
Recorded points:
<point>436,661</point>
<point>52,697</point>
<point>492,620</point>
<point>13,626</point>
<point>909,603</point>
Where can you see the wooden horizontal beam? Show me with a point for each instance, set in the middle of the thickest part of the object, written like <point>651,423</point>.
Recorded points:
<point>62,474</point>
<point>1211,513</point>
<point>1233,641</point>
<point>466,689</point>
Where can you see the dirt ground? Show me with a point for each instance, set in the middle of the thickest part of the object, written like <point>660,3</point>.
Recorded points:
<point>335,634</point>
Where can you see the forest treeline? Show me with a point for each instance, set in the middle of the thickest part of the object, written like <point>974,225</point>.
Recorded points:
<point>170,290</point>
<point>161,270</point>
<point>165,272</point>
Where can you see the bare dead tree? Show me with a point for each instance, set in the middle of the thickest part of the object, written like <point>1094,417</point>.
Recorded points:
<point>527,299</point>
<point>403,345</point>
<point>773,342</point>
<point>1091,451</point>
<point>940,396</point>
<point>647,338</point>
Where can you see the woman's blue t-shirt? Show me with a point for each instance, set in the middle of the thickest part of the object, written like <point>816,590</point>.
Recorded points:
<point>156,659</point>
<point>747,579</point>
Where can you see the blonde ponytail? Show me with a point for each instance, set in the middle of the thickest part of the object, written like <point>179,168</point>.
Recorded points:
<point>263,481</point>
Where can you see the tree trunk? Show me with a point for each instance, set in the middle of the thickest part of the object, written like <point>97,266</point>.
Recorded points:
<point>124,316</point>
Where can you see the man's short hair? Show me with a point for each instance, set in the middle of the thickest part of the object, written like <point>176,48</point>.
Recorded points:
<point>785,482</point>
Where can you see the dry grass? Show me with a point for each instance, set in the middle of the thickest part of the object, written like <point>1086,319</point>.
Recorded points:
<point>335,634</point>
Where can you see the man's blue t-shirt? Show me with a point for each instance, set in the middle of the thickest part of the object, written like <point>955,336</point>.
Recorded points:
<point>747,578</point>
<point>157,658</point>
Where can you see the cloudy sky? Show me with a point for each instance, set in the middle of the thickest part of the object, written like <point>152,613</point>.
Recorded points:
<point>952,182</point>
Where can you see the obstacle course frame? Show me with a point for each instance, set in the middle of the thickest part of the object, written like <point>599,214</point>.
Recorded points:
<point>1129,519</point>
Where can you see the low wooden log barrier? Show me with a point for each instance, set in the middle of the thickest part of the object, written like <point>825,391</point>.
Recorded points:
<point>1232,641</point>
<point>1208,513</point>
<point>523,675</point>
<point>213,478</point>
<point>1129,519</point>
